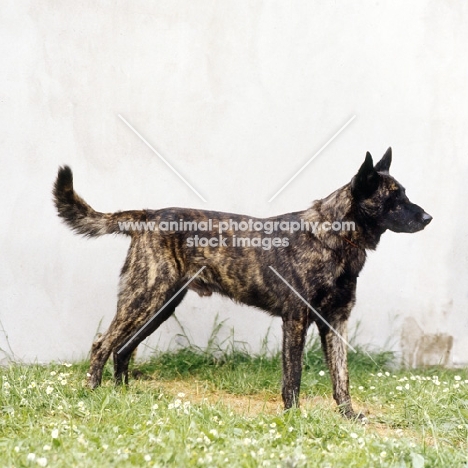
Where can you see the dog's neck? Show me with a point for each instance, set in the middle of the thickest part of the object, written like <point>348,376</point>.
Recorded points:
<point>340,207</point>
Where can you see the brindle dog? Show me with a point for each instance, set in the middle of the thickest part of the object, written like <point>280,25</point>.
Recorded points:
<point>322,267</point>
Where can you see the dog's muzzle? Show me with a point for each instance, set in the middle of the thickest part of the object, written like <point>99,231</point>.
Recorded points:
<point>426,218</point>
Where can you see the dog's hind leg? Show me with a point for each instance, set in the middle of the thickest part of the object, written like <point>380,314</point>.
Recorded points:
<point>334,343</point>
<point>134,310</point>
<point>122,352</point>
<point>294,336</point>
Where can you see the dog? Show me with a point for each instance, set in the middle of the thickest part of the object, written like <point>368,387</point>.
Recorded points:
<point>307,277</point>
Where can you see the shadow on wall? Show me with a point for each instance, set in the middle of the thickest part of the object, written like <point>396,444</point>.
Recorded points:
<point>421,349</point>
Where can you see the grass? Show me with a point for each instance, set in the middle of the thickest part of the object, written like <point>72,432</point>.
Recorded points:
<point>194,408</point>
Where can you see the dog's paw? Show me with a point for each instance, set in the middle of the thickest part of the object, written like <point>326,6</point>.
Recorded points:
<point>138,375</point>
<point>350,414</point>
<point>357,417</point>
<point>92,382</point>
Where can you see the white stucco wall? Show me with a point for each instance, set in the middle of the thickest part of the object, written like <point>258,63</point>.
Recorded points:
<point>237,95</point>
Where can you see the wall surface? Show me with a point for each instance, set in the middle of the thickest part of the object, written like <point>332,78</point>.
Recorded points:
<point>237,96</point>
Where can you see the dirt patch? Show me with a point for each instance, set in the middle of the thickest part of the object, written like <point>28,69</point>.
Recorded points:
<point>201,392</point>
<point>247,405</point>
<point>267,403</point>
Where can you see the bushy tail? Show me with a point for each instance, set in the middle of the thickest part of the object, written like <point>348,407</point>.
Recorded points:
<point>80,216</point>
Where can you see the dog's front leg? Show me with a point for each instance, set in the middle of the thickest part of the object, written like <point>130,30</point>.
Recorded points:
<point>294,335</point>
<point>334,345</point>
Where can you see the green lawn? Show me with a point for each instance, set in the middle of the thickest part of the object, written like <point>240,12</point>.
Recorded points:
<point>208,409</point>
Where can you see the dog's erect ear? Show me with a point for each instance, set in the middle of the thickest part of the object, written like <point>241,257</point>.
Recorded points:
<point>384,164</point>
<point>366,181</point>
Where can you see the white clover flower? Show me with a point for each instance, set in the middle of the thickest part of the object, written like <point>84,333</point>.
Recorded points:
<point>321,373</point>
<point>31,456</point>
<point>457,377</point>
<point>81,440</point>
<point>181,395</point>
<point>42,461</point>
<point>49,390</point>
<point>55,433</point>
<point>53,373</point>
<point>155,406</point>
<point>6,385</point>
<point>105,446</point>
<point>383,454</point>
<point>399,388</point>
<point>17,449</point>
<point>46,448</point>
<point>353,435</point>
<point>147,458</point>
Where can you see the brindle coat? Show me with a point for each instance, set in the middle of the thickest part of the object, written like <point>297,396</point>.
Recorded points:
<point>322,267</point>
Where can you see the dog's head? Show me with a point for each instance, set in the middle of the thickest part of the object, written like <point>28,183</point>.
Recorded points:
<point>382,200</point>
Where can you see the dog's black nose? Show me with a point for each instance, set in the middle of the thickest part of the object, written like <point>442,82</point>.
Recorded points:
<point>426,218</point>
